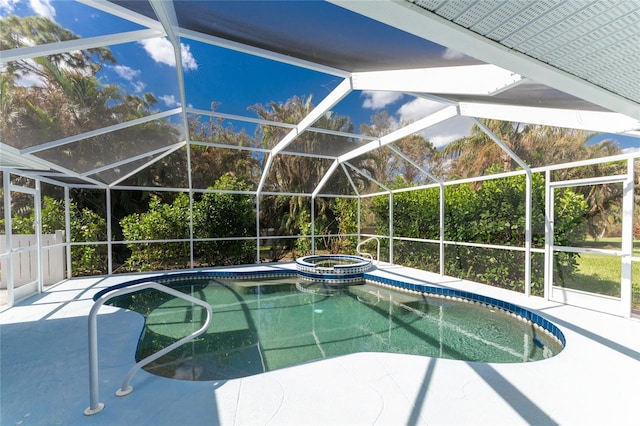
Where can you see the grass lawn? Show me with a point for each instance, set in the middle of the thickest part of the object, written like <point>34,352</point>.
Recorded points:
<point>601,274</point>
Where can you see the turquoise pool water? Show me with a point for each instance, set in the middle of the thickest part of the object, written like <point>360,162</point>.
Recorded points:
<point>267,324</point>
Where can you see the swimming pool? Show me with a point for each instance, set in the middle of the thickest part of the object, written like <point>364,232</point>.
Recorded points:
<point>268,323</point>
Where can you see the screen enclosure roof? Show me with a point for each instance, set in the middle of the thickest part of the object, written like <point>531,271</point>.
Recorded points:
<point>572,64</point>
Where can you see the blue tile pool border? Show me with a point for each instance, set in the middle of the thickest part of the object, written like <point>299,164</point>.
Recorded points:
<point>514,310</point>
<point>517,311</point>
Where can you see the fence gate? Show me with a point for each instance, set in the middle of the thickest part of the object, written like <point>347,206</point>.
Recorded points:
<point>590,288</point>
<point>25,265</point>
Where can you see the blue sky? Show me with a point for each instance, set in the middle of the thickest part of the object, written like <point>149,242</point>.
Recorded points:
<point>149,66</point>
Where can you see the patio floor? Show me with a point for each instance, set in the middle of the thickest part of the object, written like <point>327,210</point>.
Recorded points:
<point>44,374</point>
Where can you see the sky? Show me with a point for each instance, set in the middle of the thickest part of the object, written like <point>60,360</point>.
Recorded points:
<point>149,66</point>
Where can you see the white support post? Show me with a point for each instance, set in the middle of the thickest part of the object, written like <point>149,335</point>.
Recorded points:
<point>528,234</point>
<point>191,256</point>
<point>6,179</point>
<point>627,240</point>
<point>109,240</point>
<point>390,228</point>
<point>359,219</point>
<point>529,178</point>
<point>313,224</point>
<point>442,204</point>
<point>37,225</point>
<point>258,260</point>
<point>67,230</point>
<point>548,235</point>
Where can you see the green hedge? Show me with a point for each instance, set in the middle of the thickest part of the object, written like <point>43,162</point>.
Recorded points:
<point>493,213</point>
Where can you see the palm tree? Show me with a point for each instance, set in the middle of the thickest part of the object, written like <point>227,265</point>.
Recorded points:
<point>294,173</point>
<point>539,146</point>
<point>384,164</point>
<point>476,154</point>
<point>69,99</point>
<point>208,163</point>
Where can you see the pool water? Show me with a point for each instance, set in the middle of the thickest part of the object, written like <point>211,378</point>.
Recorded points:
<point>269,324</point>
<point>330,263</point>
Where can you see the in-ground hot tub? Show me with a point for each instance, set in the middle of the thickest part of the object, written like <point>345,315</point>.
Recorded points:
<point>333,268</point>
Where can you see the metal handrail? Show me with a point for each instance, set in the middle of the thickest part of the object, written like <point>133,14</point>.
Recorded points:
<point>368,254</point>
<point>94,405</point>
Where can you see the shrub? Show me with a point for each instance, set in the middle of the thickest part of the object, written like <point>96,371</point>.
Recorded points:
<point>215,215</point>
<point>219,215</point>
<point>161,222</point>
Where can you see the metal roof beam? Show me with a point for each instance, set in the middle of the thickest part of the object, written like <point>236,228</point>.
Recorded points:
<point>97,132</point>
<point>10,157</point>
<point>166,13</point>
<point>170,151</point>
<point>414,164</point>
<point>466,80</point>
<point>366,176</point>
<point>78,44</point>
<point>325,178</point>
<point>132,159</point>
<point>595,121</point>
<point>416,126</point>
<point>123,12</point>
<point>342,90</point>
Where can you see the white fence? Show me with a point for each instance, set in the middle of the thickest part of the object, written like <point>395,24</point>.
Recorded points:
<point>24,257</point>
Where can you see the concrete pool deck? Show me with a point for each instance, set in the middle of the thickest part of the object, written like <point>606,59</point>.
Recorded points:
<point>44,373</point>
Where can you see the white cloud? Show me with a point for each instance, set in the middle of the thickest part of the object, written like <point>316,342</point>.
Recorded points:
<point>188,61</point>
<point>30,79</point>
<point>161,50</point>
<point>131,75</point>
<point>39,7</point>
<point>378,100</point>
<point>126,72</point>
<point>169,100</point>
<point>448,131</point>
<point>453,54</point>
<point>138,86</point>
<point>440,134</point>
<point>630,150</point>
<point>43,8</point>
<point>7,6</point>
<point>417,108</point>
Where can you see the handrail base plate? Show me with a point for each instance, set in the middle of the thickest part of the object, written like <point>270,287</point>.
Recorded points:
<point>90,412</point>
<point>124,392</point>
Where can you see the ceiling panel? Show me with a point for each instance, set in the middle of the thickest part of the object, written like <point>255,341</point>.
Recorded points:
<point>597,41</point>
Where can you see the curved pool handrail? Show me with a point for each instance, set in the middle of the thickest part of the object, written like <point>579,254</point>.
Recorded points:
<point>94,405</point>
<point>368,254</point>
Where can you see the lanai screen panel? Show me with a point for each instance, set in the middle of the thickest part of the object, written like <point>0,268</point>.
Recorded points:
<point>208,164</point>
<point>295,174</point>
<point>166,171</point>
<point>242,84</point>
<point>327,42</point>
<point>56,99</point>
<point>323,144</point>
<point>87,155</point>
<point>318,32</point>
